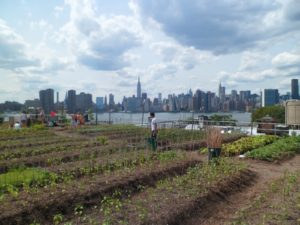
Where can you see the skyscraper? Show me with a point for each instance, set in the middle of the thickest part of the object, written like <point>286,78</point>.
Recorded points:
<point>270,97</point>
<point>295,89</point>
<point>47,100</point>
<point>139,89</point>
<point>221,92</point>
<point>84,102</point>
<point>111,99</point>
<point>71,101</point>
<point>100,103</point>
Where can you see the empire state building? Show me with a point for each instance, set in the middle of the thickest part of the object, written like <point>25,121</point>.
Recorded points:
<point>139,89</point>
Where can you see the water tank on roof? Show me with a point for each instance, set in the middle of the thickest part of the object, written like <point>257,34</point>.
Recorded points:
<point>292,112</point>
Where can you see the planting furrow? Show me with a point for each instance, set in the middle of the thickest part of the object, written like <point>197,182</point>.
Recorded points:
<point>197,144</point>
<point>62,199</point>
<point>114,162</point>
<point>49,141</point>
<point>22,134</point>
<point>172,200</point>
<point>87,151</point>
<point>103,163</point>
<point>39,150</point>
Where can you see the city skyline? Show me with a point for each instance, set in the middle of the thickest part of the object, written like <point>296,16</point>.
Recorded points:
<point>199,101</point>
<point>102,47</point>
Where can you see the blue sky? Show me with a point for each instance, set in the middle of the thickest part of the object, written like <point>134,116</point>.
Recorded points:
<point>102,47</point>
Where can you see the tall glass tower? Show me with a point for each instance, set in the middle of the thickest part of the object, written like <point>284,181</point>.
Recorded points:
<point>295,89</point>
<point>139,89</point>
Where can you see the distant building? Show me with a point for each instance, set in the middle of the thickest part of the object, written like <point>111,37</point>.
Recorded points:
<point>105,101</point>
<point>84,102</point>
<point>222,93</point>
<point>133,104</point>
<point>32,103</point>
<point>71,101</point>
<point>111,99</point>
<point>47,100</point>
<point>57,97</point>
<point>139,89</point>
<point>295,89</point>
<point>100,103</point>
<point>270,97</point>
<point>144,96</point>
<point>245,95</point>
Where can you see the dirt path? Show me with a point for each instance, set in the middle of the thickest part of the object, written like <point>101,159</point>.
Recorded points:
<point>224,211</point>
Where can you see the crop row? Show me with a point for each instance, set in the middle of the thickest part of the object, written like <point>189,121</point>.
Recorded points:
<point>42,204</point>
<point>246,144</point>
<point>166,203</point>
<point>12,145</point>
<point>114,162</point>
<point>18,178</point>
<point>122,131</point>
<point>265,208</point>
<point>22,133</point>
<point>24,178</point>
<point>110,130</point>
<point>57,158</point>
<point>71,145</point>
<point>280,149</point>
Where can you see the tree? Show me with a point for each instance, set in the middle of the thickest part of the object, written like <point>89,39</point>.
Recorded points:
<point>11,106</point>
<point>223,120</point>
<point>277,112</point>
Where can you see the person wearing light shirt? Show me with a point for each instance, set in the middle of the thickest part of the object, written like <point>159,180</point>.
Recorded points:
<point>154,131</point>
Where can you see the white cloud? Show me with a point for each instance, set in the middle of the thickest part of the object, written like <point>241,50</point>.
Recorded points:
<point>14,52</point>
<point>286,60</point>
<point>222,26</point>
<point>59,8</point>
<point>100,42</point>
<point>253,60</point>
<point>284,66</point>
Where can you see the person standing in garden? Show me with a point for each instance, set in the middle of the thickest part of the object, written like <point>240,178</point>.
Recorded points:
<point>154,131</point>
<point>23,119</point>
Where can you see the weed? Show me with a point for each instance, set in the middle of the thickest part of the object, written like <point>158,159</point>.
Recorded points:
<point>57,219</point>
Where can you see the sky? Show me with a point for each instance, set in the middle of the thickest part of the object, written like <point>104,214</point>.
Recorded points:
<point>102,47</point>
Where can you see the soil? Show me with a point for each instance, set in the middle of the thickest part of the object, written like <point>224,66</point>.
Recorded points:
<point>223,210</point>
<point>63,199</point>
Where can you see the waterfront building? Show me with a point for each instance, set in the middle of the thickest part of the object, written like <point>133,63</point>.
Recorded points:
<point>139,89</point>
<point>84,102</point>
<point>111,100</point>
<point>295,89</point>
<point>47,100</point>
<point>71,101</point>
<point>245,95</point>
<point>144,96</point>
<point>133,104</point>
<point>32,103</point>
<point>222,93</point>
<point>100,103</point>
<point>270,97</point>
<point>160,98</point>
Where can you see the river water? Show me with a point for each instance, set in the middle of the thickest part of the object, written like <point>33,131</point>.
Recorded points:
<point>138,118</point>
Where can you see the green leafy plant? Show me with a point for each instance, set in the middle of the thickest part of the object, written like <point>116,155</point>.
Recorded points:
<point>15,179</point>
<point>103,140</point>
<point>57,219</point>
<point>247,143</point>
<point>284,147</point>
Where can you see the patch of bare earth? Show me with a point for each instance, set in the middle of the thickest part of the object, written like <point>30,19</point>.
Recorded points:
<point>223,209</point>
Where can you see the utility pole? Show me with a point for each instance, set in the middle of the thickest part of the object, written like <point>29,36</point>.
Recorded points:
<point>96,109</point>
<point>143,105</point>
